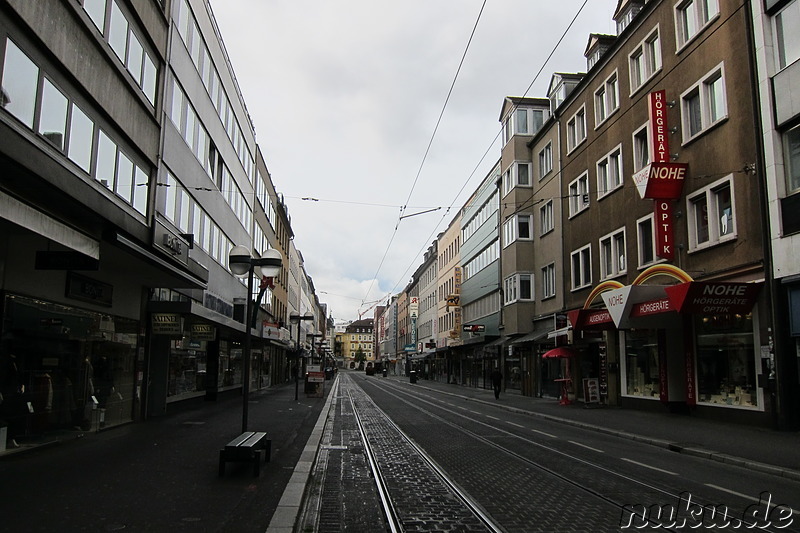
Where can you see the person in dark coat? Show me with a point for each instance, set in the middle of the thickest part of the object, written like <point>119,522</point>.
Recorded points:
<point>497,382</point>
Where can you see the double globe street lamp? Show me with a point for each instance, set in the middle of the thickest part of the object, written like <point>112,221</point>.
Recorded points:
<point>242,263</point>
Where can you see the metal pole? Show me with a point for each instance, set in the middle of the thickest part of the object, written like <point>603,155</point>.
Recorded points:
<point>246,354</point>
<point>297,361</point>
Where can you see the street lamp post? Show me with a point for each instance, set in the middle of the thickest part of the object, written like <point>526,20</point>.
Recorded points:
<point>298,319</point>
<point>242,263</point>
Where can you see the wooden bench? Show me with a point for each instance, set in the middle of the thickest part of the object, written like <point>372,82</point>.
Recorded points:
<point>247,447</point>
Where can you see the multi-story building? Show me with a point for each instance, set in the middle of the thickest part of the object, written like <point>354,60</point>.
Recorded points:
<point>130,170</point>
<point>527,197</point>
<point>777,53</point>
<point>357,342</point>
<point>82,95</point>
<point>427,315</point>
<point>480,285</point>
<point>661,217</point>
<point>403,333</point>
<point>449,298</point>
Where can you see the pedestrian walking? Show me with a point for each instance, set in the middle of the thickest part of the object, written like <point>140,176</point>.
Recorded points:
<point>497,381</point>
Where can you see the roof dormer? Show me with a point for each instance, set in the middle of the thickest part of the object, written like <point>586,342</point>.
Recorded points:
<point>626,11</point>
<point>596,47</point>
<point>561,84</point>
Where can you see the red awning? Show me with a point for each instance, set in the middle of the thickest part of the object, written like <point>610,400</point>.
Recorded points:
<point>560,351</point>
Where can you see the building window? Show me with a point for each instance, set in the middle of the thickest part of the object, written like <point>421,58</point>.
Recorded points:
<point>581,261</point>
<point>712,218</point>
<point>523,122</point>
<point>549,281</point>
<point>579,194</point>
<point>645,237</point>
<point>546,160</point>
<point>19,88</point>
<point>546,219</point>
<point>606,99</point>
<point>726,364</point>
<point>67,128</point>
<point>609,172</point>
<point>791,143</point>
<point>518,287</point>
<point>612,255</point>
<point>641,148</point>
<point>517,228</point>
<point>704,104</point>
<point>787,37</point>
<point>517,175</point>
<point>576,129</point>
<point>641,363</point>
<point>645,60</point>
<point>691,16</point>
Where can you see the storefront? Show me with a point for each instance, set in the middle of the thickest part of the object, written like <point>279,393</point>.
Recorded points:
<point>64,369</point>
<point>687,345</point>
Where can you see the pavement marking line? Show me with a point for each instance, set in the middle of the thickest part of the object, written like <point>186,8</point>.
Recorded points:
<point>517,425</point>
<point>585,446</point>
<point>745,496</point>
<point>648,466</point>
<point>546,434</point>
<point>492,417</point>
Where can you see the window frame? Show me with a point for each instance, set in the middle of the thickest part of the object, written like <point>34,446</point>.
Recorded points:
<point>610,244</point>
<point>640,243</point>
<point>584,256</point>
<point>651,60</point>
<point>781,59</point>
<point>576,129</point>
<point>612,159</point>
<point>792,173</point>
<point>546,218</point>
<point>512,288</point>
<point>579,201</point>
<point>702,18</point>
<point>703,90</point>
<point>549,281</point>
<point>710,196</point>
<point>546,160</point>
<point>640,141</point>
<point>607,95</point>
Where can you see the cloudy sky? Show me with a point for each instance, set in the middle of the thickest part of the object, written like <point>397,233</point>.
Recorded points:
<point>345,96</point>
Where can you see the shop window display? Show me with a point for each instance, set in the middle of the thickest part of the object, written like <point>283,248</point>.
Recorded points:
<point>187,367</point>
<point>64,369</point>
<point>726,360</point>
<point>641,363</point>
<point>230,365</point>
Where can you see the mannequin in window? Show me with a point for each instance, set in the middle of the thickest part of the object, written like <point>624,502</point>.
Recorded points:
<point>12,401</point>
<point>103,381</point>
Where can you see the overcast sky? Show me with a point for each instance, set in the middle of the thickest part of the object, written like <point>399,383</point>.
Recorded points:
<point>345,96</point>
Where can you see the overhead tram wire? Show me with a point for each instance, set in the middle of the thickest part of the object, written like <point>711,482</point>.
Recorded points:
<point>477,166</point>
<point>427,150</point>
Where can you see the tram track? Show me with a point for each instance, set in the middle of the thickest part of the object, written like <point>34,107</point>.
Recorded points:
<point>426,407</point>
<point>414,513</point>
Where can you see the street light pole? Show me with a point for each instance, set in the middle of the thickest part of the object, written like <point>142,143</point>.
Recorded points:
<point>241,263</point>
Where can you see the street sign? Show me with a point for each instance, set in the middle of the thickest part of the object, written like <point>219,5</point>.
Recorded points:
<point>474,328</point>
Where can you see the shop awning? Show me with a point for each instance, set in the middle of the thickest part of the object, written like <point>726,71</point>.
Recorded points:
<point>530,337</point>
<point>591,319</point>
<point>708,297</point>
<point>560,352</point>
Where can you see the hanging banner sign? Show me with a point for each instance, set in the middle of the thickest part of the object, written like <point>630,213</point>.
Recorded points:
<point>657,108</point>
<point>665,233</point>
